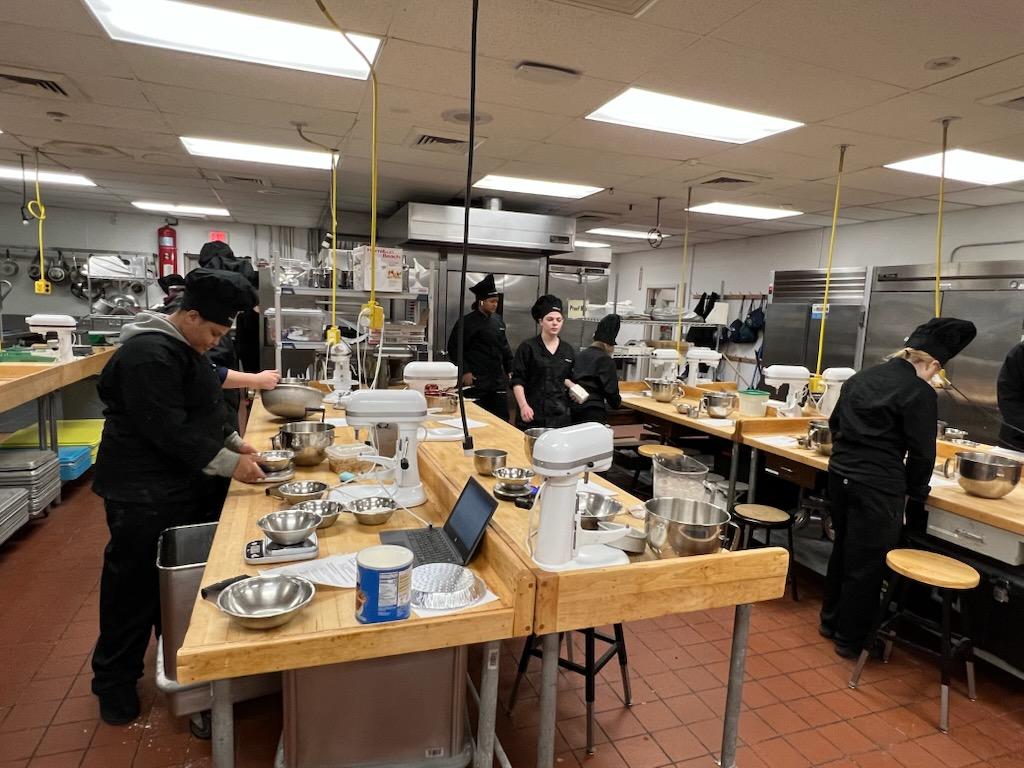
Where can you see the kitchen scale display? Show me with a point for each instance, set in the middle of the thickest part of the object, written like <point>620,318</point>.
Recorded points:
<point>267,552</point>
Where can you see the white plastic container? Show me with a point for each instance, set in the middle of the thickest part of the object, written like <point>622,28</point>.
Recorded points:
<point>753,402</point>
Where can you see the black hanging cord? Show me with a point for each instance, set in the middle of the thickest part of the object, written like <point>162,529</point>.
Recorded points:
<point>998,421</point>
<point>467,439</point>
<point>24,194</point>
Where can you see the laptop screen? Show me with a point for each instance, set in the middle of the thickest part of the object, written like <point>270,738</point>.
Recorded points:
<point>469,518</point>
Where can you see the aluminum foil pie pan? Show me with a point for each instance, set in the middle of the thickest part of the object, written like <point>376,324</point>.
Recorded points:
<point>445,587</point>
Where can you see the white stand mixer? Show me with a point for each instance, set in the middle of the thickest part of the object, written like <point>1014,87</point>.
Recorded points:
<point>401,410</point>
<point>695,356</point>
<point>664,364</point>
<point>833,379</point>
<point>62,325</point>
<point>560,456</point>
<point>420,375</point>
<point>798,378</point>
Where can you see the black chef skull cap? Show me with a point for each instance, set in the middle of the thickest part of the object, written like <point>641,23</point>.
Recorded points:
<point>485,289</point>
<point>608,329</point>
<point>212,249</point>
<point>218,295</point>
<point>545,304</point>
<point>942,337</point>
<point>170,281</point>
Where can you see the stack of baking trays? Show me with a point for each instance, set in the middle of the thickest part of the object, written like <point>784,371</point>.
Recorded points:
<point>37,471</point>
<point>13,511</point>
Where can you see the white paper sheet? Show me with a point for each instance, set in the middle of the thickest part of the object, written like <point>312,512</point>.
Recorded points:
<point>424,613</point>
<point>333,571</point>
<point>783,441</point>
<point>591,487</point>
<point>722,423</point>
<point>444,434</point>
<point>939,481</point>
<point>633,395</point>
<point>457,423</point>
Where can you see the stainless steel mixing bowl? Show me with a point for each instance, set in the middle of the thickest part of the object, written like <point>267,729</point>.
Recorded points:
<point>374,510</point>
<point>290,401</point>
<point>308,439</point>
<point>530,437</point>
<point>683,527</point>
<point>719,404</point>
<point>819,437</point>
<point>274,461</point>
<point>514,477</point>
<point>263,602</point>
<point>486,460</point>
<point>595,508</point>
<point>289,526</point>
<point>663,390</point>
<point>987,475</point>
<point>327,509</point>
<point>298,491</point>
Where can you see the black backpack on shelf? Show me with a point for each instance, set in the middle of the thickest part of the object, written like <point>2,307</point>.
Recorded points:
<point>743,331</point>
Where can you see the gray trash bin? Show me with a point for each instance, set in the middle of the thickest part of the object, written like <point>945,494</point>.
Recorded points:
<point>181,560</point>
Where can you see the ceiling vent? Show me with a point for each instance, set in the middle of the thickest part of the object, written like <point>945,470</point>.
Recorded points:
<point>36,83</point>
<point>590,218</point>
<point>440,141</point>
<point>727,181</point>
<point>1017,104</point>
<point>632,8</point>
<point>246,181</point>
<point>1009,99</point>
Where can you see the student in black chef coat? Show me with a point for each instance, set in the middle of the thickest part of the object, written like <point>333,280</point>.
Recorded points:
<point>883,454</point>
<point>541,370</point>
<point>1010,390</point>
<point>488,357</point>
<point>164,440</point>
<point>594,370</point>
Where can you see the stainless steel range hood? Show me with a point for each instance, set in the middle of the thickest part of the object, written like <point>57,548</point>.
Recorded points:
<point>422,223</point>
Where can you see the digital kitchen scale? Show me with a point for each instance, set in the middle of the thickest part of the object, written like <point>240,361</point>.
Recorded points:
<point>266,552</point>
<point>505,493</point>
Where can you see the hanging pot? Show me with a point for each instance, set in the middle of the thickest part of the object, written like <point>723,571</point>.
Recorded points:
<point>76,276</point>
<point>34,272</point>
<point>8,267</point>
<point>78,290</point>
<point>57,272</point>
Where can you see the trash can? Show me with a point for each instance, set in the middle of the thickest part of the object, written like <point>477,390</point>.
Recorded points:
<point>181,560</point>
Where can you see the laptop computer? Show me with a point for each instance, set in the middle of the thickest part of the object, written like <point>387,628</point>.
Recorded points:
<point>458,540</point>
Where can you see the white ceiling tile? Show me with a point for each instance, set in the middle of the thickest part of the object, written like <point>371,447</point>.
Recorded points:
<point>768,162</point>
<point>57,15</point>
<point>824,194</point>
<point>866,213</point>
<point>371,18</point>
<point>884,40</point>
<point>632,141</point>
<point>981,83</point>
<point>59,52</point>
<point>985,196</point>
<point>413,156</point>
<point>895,184</point>
<point>697,16</point>
<point>818,220</point>
<point>747,230</point>
<point>593,160</point>
<point>919,206</point>
<point>786,225</point>
<point>865,149</point>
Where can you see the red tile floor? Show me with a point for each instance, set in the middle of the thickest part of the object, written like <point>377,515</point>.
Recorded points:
<point>797,708</point>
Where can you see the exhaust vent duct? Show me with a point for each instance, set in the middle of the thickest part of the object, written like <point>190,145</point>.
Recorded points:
<point>36,83</point>
<point>440,141</point>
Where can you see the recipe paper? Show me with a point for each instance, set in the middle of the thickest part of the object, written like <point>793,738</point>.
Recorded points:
<point>782,441</point>
<point>470,423</point>
<point>333,571</point>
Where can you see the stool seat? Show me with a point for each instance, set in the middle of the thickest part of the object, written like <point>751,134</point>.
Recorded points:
<point>650,451</point>
<point>762,514</point>
<point>932,569</point>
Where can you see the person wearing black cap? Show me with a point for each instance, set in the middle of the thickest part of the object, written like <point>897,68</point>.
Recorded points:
<point>1010,393</point>
<point>594,370</point>
<point>486,353</point>
<point>541,370</point>
<point>164,440</point>
<point>218,255</point>
<point>883,454</point>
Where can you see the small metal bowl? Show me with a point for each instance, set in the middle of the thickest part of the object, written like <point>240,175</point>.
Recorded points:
<point>513,478</point>
<point>263,602</point>
<point>486,460</point>
<point>374,510</point>
<point>594,509</point>
<point>290,526</point>
<point>275,461</point>
<point>328,510</point>
<point>299,491</point>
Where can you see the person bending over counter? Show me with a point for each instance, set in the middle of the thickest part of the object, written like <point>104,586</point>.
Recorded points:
<point>883,450</point>
<point>541,370</point>
<point>594,370</point>
<point>1010,391</point>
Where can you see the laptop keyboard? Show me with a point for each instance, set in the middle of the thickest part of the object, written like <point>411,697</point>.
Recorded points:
<point>429,546</point>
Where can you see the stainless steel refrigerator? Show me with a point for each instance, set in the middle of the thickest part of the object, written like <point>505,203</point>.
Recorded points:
<point>578,286</point>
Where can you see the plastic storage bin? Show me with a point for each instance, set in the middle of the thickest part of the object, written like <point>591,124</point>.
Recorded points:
<point>299,324</point>
<point>753,402</point>
<point>679,477</point>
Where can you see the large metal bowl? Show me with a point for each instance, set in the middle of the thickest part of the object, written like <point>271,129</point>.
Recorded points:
<point>327,509</point>
<point>486,460</point>
<point>595,508</point>
<point>298,491</point>
<point>290,401</point>
<point>374,510</point>
<point>530,437</point>
<point>819,437</point>
<point>719,404</point>
<point>445,403</point>
<point>289,526</point>
<point>987,475</point>
<point>684,527</point>
<point>308,439</point>
<point>263,602</point>
<point>663,390</point>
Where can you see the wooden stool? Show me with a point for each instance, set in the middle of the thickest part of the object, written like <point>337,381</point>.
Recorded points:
<point>589,669</point>
<point>753,516</point>
<point>948,576</point>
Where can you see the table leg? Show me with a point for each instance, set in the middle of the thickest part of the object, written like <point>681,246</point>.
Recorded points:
<point>734,469</point>
<point>752,479</point>
<point>548,701</point>
<point>222,714</point>
<point>52,397</point>
<point>41,421</point>
<point>734,689</point>
<point>487,707</point>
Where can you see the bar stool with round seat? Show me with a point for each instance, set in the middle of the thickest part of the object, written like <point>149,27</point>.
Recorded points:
<point>751,517</point>
<point>651,450</point>
<point>950,577</point>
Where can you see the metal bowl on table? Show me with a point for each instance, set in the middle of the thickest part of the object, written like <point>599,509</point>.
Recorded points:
<point>486,460</point>
<point>290,526</point>
<point>514,477</point>
<point>327,509</point>
<point>682,527</point>
<point>308,439</point>
<point>530,437</point>
<point>290,400</point>
<point>299,491</point>
<point>987,475</point>
<point>374,510</point>
<point>819,437</point>
<point>263,602</point>
<point>596,508</point>
<point>274,461</point>
<point>663,390</point>
<point>443,403</point>
<point>719,404</point>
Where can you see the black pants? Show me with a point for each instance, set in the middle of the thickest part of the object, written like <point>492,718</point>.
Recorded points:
<point>129,587</point>
<point>868,524</point>
<point>492,402</point>
<point>586,413</point>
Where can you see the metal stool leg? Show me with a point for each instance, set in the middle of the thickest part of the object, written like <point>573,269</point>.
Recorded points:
<point>568,647</point>
<point>965,629</point>
<point>945,661</point>
<point>890,593</point>
<point>524,662</point>
<point>792,564</point>
<point>588,635</point>
<point>620,642</point>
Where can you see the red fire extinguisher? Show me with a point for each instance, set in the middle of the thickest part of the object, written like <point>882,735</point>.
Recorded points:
<point>167,248</point>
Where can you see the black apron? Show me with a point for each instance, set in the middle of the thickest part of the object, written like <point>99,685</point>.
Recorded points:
<point>542,376</point>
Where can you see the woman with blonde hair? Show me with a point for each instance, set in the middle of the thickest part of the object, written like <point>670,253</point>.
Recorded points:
<point>883,454</point>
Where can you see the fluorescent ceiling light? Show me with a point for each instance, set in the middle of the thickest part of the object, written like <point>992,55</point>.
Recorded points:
<point>639,108</point>
<point>184,210</point>
<point>257,153</point>
<point>232,35</point>
<point>612,232</point>
<point>591,244</point>
<point>46,177</point>
<point>963,165</point>
<point>744,211</point>
<point>536,187</point>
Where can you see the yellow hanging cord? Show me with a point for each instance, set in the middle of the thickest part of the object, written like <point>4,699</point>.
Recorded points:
<point>938,226</point>
<point>37,211</point>
<point>376,311</point>
<point>816,385</point>
<point>333,334</point>
<point>681,301</point>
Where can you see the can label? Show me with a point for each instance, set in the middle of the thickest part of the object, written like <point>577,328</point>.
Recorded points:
<point>383,590</point>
